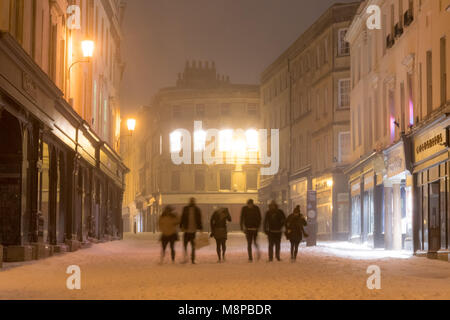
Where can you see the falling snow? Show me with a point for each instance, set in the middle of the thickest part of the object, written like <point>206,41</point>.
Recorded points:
<point>129,269</point>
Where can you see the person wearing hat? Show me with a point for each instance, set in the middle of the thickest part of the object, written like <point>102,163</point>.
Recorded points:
<point>168,225</point>
<point>250,224</point>
<point>273,227</point>
<point>295,224</point>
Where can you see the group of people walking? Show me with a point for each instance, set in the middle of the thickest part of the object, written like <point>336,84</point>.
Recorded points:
<point>274,223</point>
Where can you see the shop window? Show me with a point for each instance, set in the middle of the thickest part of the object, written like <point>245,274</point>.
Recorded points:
<point>200,180</point>
<point>252,180</point>
<point>225,180</point>
<point>356,216</point>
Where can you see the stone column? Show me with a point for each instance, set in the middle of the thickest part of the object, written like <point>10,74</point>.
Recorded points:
<point>388,208</point>
<point>397,218</point>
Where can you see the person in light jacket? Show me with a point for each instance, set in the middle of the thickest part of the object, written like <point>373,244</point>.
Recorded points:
<point>168,225</point>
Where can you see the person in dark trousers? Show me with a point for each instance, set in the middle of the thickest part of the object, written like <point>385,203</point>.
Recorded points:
<point>273,224</point>
<point>219,231</point>
<point>294,231</point>
<point>250,224</point>
<point>191,222</point>
<point>168,225</point>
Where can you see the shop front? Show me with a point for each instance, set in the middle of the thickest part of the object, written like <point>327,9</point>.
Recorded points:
<point>366,197</point>
<point>398,204</point>
<point>298,194</point>
<point>431,175</point>
<point>332,207</point>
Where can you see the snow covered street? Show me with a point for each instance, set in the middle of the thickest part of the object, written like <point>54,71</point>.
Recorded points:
<point>129,269</point>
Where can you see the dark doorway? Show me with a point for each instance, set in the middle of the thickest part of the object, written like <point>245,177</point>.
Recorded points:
<point>434,218</point>
<point>10,179</point>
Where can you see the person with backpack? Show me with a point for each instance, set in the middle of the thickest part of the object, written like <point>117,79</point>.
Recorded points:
<point>219,231</point>
<point>273,226</point>
<point>295,224</point>
<point>250,224</point>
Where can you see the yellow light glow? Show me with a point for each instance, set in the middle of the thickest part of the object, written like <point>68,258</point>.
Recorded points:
<point>330,183</point>
<point>131,124</point>
<point>199,141</point>
<point>175,142</point>
<point>252,140</point>
<point>87,46</point>
<point>225,140</point>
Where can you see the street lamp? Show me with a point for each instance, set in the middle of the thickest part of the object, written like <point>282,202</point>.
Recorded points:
<point>87,48</point>
<point>131,124</point>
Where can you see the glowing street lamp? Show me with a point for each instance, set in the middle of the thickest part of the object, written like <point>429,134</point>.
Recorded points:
<point>87,46</point>
<point>131,125</point>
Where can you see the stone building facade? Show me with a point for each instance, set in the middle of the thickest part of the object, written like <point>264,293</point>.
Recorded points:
<point>399,104</point>
<point>305,93</point>
<point>61,178</point>
<point>201,95</point>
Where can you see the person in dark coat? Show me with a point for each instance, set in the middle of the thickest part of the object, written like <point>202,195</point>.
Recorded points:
<point>273,226</point>
<point>219,231</point>
<point>294,231</point>
<point>168,225</point>
<point>191,222</point>
<point>250,224</point>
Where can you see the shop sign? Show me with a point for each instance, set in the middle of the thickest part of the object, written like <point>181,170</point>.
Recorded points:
<point>369,182</point>
<point>427,145</point>
<point>396,162</point>
<point>356,189</point>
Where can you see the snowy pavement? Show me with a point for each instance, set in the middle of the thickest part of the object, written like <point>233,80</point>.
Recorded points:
<point>129,269</point>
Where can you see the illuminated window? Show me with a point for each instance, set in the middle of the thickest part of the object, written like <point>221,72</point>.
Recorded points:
<point>199,141</point>
<point>252,140</point>
<point>252,180</point>
<point>225,180</point>
<point>225,140</point>
<point>175,142</point>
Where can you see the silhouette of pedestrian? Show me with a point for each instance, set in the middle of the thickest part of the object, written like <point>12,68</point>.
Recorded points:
<point>168,225</point>
<point>191,222</point>
<point>273,225</point>
<point>250,224</point>
<point>295,224</point>
<point>219,231</point>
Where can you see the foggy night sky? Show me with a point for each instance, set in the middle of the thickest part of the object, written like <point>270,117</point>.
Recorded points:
<point>242,36</point>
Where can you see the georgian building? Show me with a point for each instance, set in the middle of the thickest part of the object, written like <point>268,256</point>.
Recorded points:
<point>305,93</point>
<point>61,177</point>
<point>200,95</point>
<point>399,105</point>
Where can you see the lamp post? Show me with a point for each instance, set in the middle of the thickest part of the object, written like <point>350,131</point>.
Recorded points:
<point>87,48</point>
